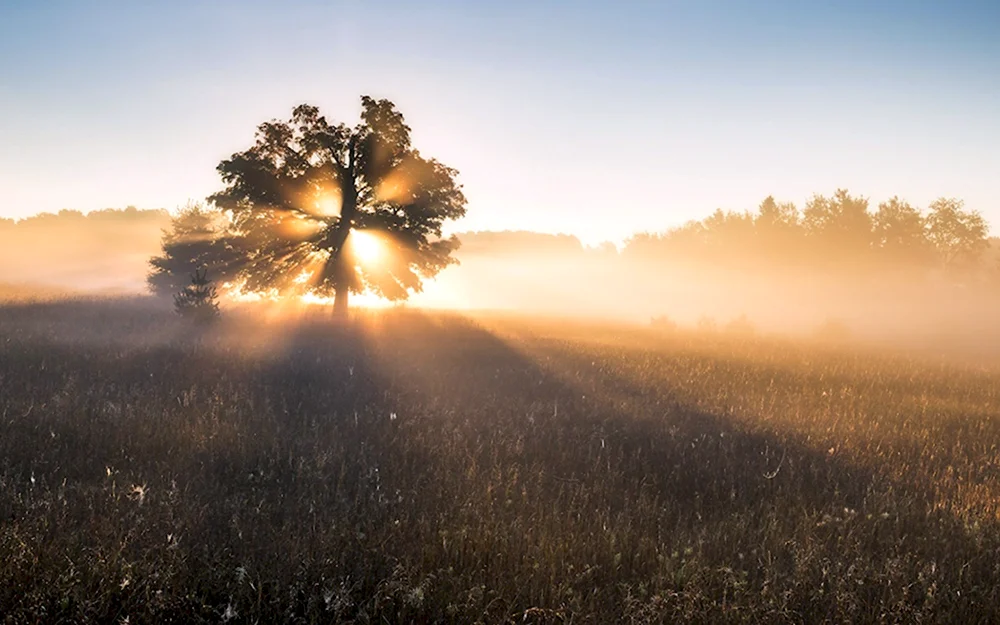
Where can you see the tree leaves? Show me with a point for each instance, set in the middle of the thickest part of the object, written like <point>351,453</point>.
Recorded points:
<point>305,183</point>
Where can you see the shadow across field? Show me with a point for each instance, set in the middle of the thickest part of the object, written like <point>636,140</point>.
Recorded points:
<point>609,428</point>
<point>423,468</point>
<point>617,475</point>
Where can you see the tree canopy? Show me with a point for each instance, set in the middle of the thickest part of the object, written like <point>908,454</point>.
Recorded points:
<point>196,240</point>
<point>837,232</point>
<point>313,203</point>
<point>959,235</point>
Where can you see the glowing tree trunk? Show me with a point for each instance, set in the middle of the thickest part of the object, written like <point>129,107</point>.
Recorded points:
<point>340,302</point>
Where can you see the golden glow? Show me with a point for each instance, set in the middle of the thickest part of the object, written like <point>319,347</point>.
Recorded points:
<point>328,203</point>
<point>367,247</point>
<point>295,227</point>
<point>362,300</point>
<point>281,305</point>
<point>395,187</point>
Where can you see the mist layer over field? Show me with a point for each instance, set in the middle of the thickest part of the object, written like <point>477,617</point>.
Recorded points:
<point>556,275</point>
<point>904,303</point>
<point>103,251</point>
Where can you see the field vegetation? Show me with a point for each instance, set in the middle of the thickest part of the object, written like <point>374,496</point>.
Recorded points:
<point>429,467</point>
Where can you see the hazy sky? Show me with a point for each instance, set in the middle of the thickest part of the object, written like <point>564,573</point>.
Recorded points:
<point>594,118</point>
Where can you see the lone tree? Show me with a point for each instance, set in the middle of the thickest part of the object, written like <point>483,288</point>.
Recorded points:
<point>331,209</point>
<point>198,300</point>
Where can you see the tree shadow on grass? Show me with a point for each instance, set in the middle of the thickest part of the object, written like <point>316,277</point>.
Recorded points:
<point>491,387</point>
<point>559,463</point>
<point>410,466</point>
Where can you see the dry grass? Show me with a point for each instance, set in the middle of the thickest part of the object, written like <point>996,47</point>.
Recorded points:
<point>435,469</point>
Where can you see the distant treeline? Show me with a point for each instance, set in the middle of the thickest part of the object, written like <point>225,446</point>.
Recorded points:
<point>840,233</point>
<point>888,269</point>
<point>129,214</point>
<point>101,250</point>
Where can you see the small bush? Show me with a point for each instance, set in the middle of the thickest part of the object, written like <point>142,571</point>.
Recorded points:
<point>198,300</point>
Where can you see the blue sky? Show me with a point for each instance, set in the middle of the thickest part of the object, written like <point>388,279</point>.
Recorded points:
<point>594,118</point>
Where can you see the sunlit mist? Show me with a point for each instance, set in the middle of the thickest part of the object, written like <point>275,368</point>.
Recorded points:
<point>360,300</point>
<point>328,203</point>
<point>367,247</point>
<point>395,187</point>
<point>500,312</point>
<point>278,305</point>
<point>296,227</point>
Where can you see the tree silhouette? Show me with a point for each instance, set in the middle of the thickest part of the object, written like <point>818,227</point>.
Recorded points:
<point>299,196</point>
<point>959,236</point>
<point>198,300</point>
<point>778,229</point>
<point>777,215</point>
<point>197,239</point>
<point>841,223</point>
<point>899,232</point>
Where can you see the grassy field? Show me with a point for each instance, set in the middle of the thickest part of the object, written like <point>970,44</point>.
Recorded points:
<point>434,468</point>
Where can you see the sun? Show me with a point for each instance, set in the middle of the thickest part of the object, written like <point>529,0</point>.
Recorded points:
<point>328,203</point>
<point>367,247</point>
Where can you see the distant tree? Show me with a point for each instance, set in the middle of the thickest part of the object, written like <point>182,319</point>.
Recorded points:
<point>717,239</point>
<point>68,214</point>
<point>899,233</point>
<point>300,194</point>
<point>729,236</point>
<point>779,230</point>
<point>773,214</point>
<point>841,222</point>
<point>605,250</point>
<point>683,242</point>
<point>838,232</point>
<point>197,239</point>
<point>959,236</point>
<point>643,246</point>
<point>199,299</point>
<point>730,224</point>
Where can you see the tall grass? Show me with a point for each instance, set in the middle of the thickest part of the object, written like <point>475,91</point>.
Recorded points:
<point>413,468</point>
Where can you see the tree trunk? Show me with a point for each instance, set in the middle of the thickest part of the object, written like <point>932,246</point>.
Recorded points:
<point>348,209</point>
<point>340,298</point>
